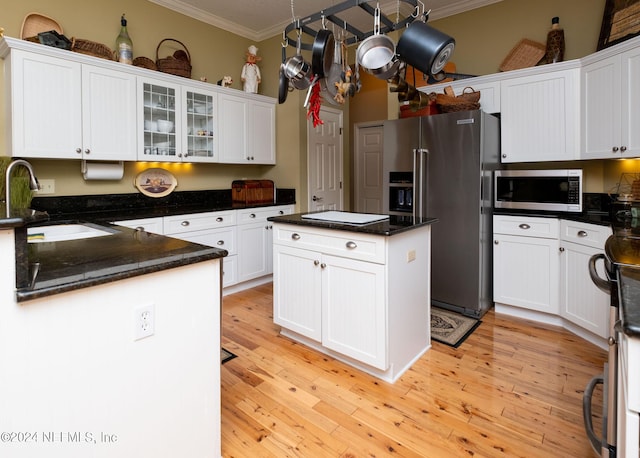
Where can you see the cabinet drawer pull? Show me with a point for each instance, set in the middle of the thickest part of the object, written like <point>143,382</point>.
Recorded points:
<point>281,212</point>
<point>323,265</point>
<point>87,151</point>
<point>316,262</point>
<point>351,245</point>
<point>219,219</point>
<point>524,226</point>
<point>295,236</point>
<point>185,223</point>
<point>582,234</point>
<point>615,149</point>
<point>78,150</point>
<point>220,242</point>
<point>252,215</point>
<point>623,149</point>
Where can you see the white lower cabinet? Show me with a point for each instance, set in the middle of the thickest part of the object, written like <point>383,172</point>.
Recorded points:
<point>361,298</point>
<point>255,238</point>
<point>526,263</point>
<point>582,303</point>
<point>215,229</point>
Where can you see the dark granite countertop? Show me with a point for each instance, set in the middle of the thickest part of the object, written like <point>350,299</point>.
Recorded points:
<point>590,217</point>
<point>629,289</point>
<point>394,225</point>
<point>56,267</point>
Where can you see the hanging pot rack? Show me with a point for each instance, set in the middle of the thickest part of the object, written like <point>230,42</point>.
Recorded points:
<point>355,35</point>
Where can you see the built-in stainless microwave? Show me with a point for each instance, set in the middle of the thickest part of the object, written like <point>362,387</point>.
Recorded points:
<point>547,190</point>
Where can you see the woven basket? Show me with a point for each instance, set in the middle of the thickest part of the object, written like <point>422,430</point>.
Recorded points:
<point>92,48</point>
<point>449,102</point>
<point>179,64</point>
<point>145,62</point>
<point>526,53</point>
<point>34,23</point>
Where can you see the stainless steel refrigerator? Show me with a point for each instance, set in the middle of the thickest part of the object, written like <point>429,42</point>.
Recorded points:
<point>441,166</point>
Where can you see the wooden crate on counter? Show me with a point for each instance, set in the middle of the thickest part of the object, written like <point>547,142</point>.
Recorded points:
<point>252,192</point>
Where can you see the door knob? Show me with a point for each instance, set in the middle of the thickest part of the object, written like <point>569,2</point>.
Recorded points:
<point>316,199</point>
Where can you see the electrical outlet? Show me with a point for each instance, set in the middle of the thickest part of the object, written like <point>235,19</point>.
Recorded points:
<point>143,321</point>
<point>47,187</point>
<point>411,255</point>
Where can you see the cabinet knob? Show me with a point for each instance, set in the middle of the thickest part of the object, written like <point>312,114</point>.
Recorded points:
<point>323,265</point>
<point>185,223</point>
<point>623,149</point>
<point>524,226</point>
<point>219,219</point>
<point>220,242</point>
<point>281,212</point>
<point>87,151</point>
<point>504,156</point>
<point>252,215</point>
<point>582,234</point>
<point>316,262</point>
<point>266,227</point>
<point>295,236</point>
<point>615,149</point>
<point>79,150</point>
<point>495,242</point>
<point>351,245</point>
<point>561,250</point>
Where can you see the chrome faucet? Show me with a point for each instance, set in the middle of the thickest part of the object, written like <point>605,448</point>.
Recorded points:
<point>33,181</point>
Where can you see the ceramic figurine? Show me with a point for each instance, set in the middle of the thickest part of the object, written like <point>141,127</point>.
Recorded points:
<point>250,76</point>
<point>226,81</point>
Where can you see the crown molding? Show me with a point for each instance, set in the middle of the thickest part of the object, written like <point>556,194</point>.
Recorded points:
<point>182,7</point>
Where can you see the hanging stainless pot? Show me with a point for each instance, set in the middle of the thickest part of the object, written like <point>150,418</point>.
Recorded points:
<point>322,53</point>
<point>377,53</point>
<point>295,67</point>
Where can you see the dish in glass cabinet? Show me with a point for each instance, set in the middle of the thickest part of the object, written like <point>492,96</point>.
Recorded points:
<point>155,182</point>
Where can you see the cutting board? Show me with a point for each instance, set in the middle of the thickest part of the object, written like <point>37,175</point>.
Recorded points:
<point>346,217</point>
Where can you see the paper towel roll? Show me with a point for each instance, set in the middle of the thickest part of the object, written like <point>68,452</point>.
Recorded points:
<point>102,170</point>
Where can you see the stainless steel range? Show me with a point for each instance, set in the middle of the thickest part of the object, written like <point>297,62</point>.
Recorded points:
<point>622,250</point>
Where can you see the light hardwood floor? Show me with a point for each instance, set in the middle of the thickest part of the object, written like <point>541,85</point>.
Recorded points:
<point>512,389</point>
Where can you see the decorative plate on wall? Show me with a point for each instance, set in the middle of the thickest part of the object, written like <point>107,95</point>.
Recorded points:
<point>155,182</point>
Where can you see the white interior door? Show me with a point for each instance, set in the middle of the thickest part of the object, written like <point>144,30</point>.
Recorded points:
<point>324,161</point>
<point>367,165</point>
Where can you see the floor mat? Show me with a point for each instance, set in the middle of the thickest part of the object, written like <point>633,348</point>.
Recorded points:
<point>451,328</point>
<point>226,355</point>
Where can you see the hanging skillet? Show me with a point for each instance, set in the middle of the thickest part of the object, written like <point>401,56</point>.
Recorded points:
<point>283,84</point>
<point>322,52</point>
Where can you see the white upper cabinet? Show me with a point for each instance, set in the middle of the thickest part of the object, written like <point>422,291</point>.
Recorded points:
<point>68,110</point>
<point>540,118</point>
<point>611,107</point>
<point>247,130</point>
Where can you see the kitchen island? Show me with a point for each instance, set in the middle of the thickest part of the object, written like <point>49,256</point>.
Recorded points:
<point>110,346</point>
<point>357,292</point>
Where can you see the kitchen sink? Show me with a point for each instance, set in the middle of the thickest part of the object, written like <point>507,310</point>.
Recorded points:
<point>65,232</point>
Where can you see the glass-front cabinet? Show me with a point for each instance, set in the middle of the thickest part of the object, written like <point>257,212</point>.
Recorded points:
<point>161,122</point>
<point>179,123</point>
<point>200,141</point>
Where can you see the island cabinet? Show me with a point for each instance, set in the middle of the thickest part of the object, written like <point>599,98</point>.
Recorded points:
<point>611,107</point>
<point>65,109</point>
<point>361,298</point>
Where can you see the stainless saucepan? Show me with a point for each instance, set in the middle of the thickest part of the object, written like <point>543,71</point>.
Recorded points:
<point>296,69</point>
<point>377,53</point>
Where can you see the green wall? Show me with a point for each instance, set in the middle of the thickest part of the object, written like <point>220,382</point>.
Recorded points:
<point>484,36</point>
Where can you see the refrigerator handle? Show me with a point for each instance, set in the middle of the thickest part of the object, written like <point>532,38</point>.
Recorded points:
<point>419,182</point>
